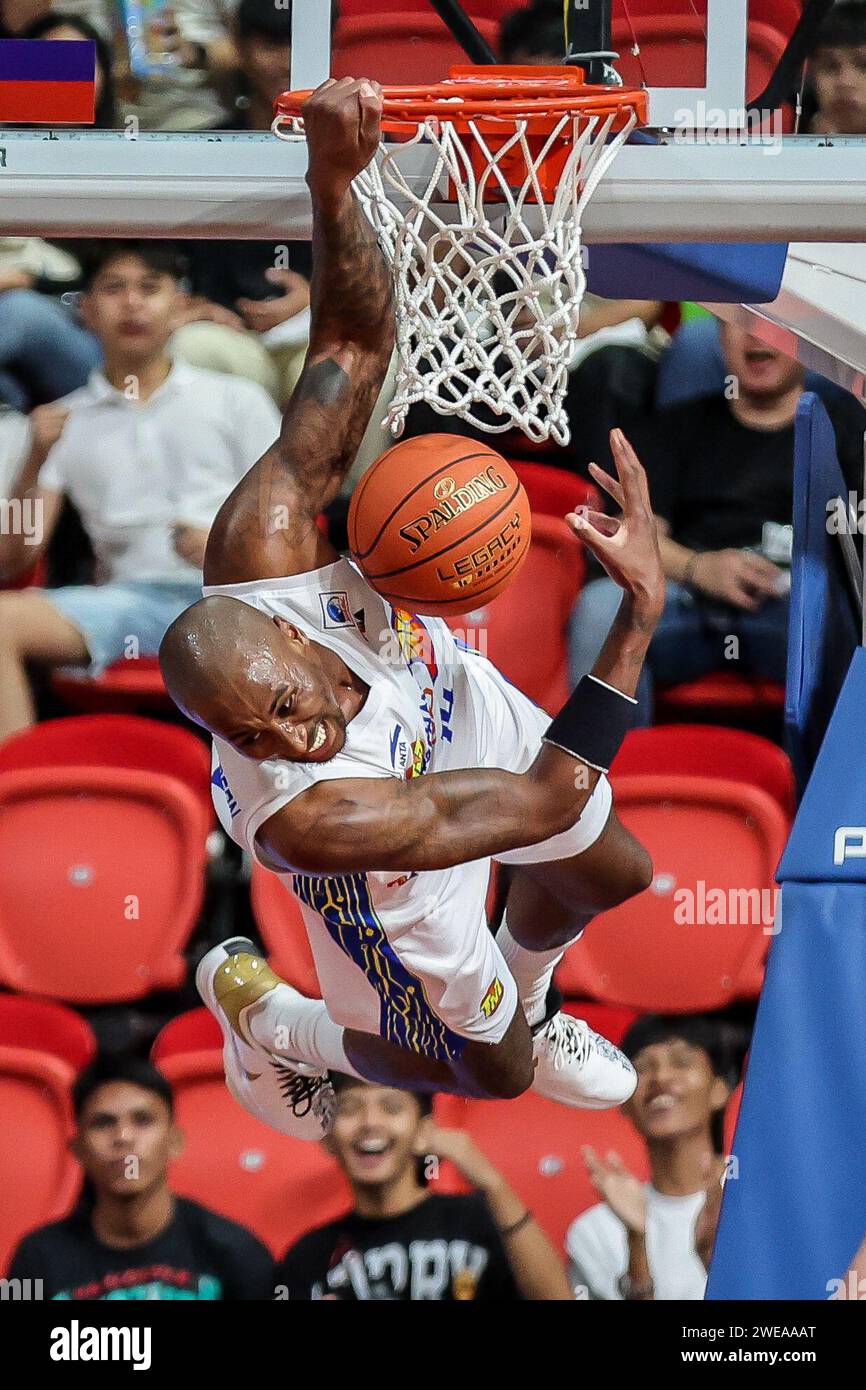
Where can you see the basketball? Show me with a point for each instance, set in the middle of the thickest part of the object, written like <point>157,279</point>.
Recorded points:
<point>439,524</point>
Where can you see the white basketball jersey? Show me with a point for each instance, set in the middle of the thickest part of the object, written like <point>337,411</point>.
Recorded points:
<point>418,717</point>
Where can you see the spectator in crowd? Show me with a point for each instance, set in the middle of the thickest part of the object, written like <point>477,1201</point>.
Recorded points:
<point>533,34</point>
<point>147,452</point>
<point>721,480</point>
<point>837,72</point>
<point>250,311</point>
<point>130,1236</point>
<point>401,1242</point>
<point>654,1240</point>
<point>72,27</point>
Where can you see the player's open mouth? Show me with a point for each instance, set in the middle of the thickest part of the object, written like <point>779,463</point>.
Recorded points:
<point>318,738</point>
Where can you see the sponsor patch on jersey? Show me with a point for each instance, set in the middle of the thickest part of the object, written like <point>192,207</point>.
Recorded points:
<point>399,749</point>
<point>420,759</point>
<point>399,882</point>
<point>416,644</point>
<point>493,998</point>
<point>218,779</point>
<point>335,610</point>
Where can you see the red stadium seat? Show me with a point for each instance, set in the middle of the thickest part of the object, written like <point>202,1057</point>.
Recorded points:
<point>103,857</point>
<point>194,1031</point>
<point>673,52</point>
<point>277,1187</point>
<point>112,740</point>
<point>554,491</point>
<point>126,685</point>
<point>525,630</point>
<point>724,694</point>
<point>43,1026</point>
<point>706,831</point>
<point>704,750</point>
<point>400,48</point>
<point>612,1021</point>
<point>34,578</point>
<point>478,9</point>
<point>537,1144</point>
<point>278,918</point>
<point>39,1178</point>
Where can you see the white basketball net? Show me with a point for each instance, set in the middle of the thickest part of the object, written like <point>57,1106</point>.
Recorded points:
<point>488,305</point>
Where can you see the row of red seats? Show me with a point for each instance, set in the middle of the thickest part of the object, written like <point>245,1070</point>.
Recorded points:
<point>232,1162</point>
<point>104,827</point>
<point>524,631</point>
<point>662,43</point>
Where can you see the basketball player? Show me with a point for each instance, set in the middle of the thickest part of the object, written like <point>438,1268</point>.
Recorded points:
<point>377,766</point>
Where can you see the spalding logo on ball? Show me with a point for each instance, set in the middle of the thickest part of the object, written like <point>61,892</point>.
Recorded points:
<point>439,524</point>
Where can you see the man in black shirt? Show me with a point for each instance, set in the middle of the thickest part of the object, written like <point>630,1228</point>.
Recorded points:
<point>721,477</point>
<point>130,1237</point>
<point>400,1242</point>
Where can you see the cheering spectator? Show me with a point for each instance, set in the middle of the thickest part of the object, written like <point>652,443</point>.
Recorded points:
<point>837,72</point>
<point>402,1243</point>
<point>147,452</point>
<point>130,1236</point>
<point>654,1240</point>
<point>721,480</point>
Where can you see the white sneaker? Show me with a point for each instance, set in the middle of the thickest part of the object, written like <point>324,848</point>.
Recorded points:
<point>578,1067</point>
<point>288,1095</point>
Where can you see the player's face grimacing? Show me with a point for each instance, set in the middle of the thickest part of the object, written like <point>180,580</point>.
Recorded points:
<point>285,703</point>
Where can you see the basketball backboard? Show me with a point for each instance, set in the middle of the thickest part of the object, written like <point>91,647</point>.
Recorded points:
<point>698,182</point>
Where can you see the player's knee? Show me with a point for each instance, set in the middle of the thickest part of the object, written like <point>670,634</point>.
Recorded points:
<point>510,1081</point>
<point>638,872</point>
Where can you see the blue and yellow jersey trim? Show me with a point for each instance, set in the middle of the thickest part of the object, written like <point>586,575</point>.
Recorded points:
<point>344,903</point>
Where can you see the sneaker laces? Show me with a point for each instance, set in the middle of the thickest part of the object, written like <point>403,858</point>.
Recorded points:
<point>299,1092</point>
<point>568,1039</point>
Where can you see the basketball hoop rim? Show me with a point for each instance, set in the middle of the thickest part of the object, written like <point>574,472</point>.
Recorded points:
<point>492,98</point>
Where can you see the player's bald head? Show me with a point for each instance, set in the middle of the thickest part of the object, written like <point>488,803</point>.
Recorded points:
<point>217,649</point>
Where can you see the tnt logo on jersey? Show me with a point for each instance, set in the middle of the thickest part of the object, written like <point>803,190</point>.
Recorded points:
<point>420,759</point>
<point>493,998</point>
<point>415,642</point>
<point>335,610</point>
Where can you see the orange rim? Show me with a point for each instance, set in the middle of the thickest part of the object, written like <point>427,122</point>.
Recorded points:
<point>497,96</point>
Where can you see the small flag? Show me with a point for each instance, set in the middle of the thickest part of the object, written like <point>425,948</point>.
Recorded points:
<point>47,81</point>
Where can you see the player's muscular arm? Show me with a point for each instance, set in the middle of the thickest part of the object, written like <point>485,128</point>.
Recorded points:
<point>447,818</point>
<point>430,822</point>
<point>267,526</point>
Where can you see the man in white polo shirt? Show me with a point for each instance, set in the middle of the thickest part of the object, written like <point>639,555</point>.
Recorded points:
<point>147,451</point>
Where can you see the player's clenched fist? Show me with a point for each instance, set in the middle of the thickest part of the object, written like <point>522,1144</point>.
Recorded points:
<point>342,123</point>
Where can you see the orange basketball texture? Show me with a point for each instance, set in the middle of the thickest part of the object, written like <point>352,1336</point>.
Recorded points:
<point>439,524</point>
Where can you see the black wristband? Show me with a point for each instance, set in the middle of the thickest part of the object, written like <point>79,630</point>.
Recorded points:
<point>593,723</point>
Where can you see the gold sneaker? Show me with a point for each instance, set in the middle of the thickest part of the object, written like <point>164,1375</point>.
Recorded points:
<point>290,1096</point>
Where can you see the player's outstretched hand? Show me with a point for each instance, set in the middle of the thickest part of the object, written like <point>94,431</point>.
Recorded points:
<point>342,120</point>
<point>627,546</point>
